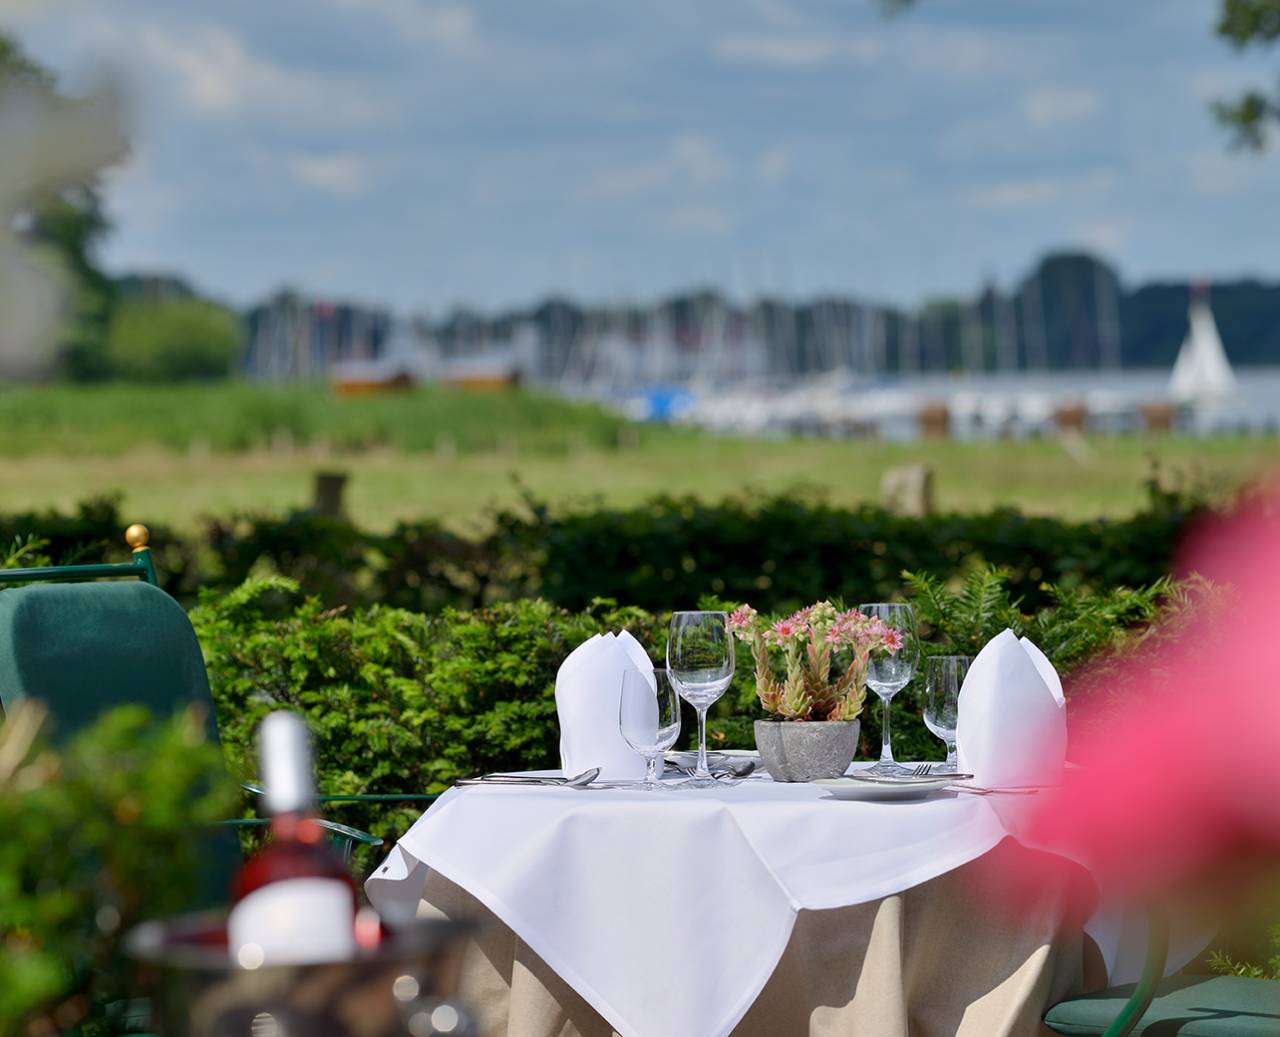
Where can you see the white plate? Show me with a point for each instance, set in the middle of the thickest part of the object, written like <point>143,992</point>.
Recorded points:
<point>908,779</point>
<point>853,788</point>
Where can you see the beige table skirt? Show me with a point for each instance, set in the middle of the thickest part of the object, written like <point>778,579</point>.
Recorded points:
<point>943,958</point>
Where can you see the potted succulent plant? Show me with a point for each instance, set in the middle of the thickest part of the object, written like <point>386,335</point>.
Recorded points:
<point>811,670</point>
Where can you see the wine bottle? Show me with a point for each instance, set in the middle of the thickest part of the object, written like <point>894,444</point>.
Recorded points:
<point>294,901</point>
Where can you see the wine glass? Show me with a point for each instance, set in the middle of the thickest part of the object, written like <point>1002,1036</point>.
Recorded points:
<point>943,678</point>
<point>649,719</point>
<point>700,658</point>
<point>890,670</point>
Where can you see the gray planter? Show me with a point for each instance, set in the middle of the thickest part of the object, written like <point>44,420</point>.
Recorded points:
<point>802,750</point>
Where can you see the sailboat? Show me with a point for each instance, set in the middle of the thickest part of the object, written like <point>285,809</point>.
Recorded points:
<point>1202,374</point>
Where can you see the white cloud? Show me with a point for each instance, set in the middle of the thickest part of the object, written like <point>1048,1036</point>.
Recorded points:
<point>793,50</point>
<point>700,219</point>
<point>1017,194</point>
<point>1039,190</point>
<point>773,165</point>
<point>1047,107</point>
<point>944,53</point>
<point>1219,82</point>
<point>450,25</point>
<point>1108,234</point>
<point>218,76</point>
<point>690,158</point>
<point>339,174</point>
<point>778,12</point>
<point>1222,174</point>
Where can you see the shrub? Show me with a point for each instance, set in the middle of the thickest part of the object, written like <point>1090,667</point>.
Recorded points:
<point>399,701</point>
<point>777,552</point>
<point>781,552</point>
<point>173,340</point>
<point>97,837</point>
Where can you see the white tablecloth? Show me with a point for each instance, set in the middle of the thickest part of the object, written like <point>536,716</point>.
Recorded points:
<point>697,891</point>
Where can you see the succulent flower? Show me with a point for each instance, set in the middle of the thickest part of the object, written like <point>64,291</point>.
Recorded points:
<point>742,621</point>
<point>817,669</point>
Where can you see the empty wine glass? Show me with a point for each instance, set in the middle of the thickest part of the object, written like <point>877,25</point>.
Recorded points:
<point>700,658</point>
<point>649,719</point>
<point>943,678</point>
<point>890,670</point>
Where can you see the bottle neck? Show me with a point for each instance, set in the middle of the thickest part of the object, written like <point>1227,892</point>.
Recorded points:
<point>296,827</point>
<point>284,746</point>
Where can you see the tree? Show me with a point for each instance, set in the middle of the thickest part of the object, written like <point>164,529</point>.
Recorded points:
<point>172,340</point>
<point>1242,23</point>
<point>66,221</point>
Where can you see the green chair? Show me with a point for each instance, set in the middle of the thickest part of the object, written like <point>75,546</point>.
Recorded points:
<point>85,647</point>
<point>1182,1006</point>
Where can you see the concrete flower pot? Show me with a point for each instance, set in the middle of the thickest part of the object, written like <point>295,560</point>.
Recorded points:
<point>802,750</point>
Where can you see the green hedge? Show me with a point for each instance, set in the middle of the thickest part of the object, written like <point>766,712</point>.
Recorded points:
<point>409,702</point>
<point>778,552</point>
<point>98,835</point>
<point>783,552</point>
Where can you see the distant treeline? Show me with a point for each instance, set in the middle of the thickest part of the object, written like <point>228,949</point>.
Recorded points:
<point>1070,313</point>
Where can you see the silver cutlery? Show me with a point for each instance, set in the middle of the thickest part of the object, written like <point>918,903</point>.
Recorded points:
<point>1014,790</point>
<point>577,781</point>
<point>978,790</point>
<point>725,772</point>
<point>925,770</point>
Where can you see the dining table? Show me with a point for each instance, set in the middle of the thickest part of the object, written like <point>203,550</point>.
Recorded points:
<point>751,908</point>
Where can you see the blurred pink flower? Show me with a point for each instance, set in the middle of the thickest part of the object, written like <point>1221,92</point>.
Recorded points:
<point>1176,777</point>
<point>892,638</point>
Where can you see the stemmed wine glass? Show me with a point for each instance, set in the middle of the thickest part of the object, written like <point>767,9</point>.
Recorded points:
<point>943,678</point>
<point>649,719</point>
<point>889,671</point>
<point>700,658</point>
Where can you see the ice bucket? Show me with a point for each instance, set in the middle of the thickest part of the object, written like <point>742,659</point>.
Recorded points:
<point>403,987</point>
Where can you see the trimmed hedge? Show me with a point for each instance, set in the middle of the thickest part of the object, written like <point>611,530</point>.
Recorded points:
<point>778,552</point>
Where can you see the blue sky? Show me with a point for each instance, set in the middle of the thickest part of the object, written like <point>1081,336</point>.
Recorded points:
<point>423,154</point>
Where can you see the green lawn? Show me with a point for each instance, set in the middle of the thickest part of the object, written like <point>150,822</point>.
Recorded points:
<point>238,416</point>
<point>177,455</point>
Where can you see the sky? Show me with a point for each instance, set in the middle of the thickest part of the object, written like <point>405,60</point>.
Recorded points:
<point>424,154</point>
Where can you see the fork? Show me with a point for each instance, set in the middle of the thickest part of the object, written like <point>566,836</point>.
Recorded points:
<point>925,769</point>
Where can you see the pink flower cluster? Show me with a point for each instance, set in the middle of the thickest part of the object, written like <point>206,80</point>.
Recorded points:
<point>820,622</point>
<point>742,618</point>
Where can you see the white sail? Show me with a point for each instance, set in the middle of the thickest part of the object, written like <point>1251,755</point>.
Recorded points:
<point>1202,373</point>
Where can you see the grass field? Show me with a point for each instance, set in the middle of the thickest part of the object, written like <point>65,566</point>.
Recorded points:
<point>176,456</point>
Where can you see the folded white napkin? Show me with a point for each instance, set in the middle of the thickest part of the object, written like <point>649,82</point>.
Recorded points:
<point>1011,721</point>
<point>588,693</point>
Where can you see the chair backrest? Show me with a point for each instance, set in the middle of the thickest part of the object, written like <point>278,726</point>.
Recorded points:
<point>140,566</point>
<point>85,647</point>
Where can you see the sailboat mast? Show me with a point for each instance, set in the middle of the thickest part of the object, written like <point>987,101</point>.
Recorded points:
<point>1106,308</point>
